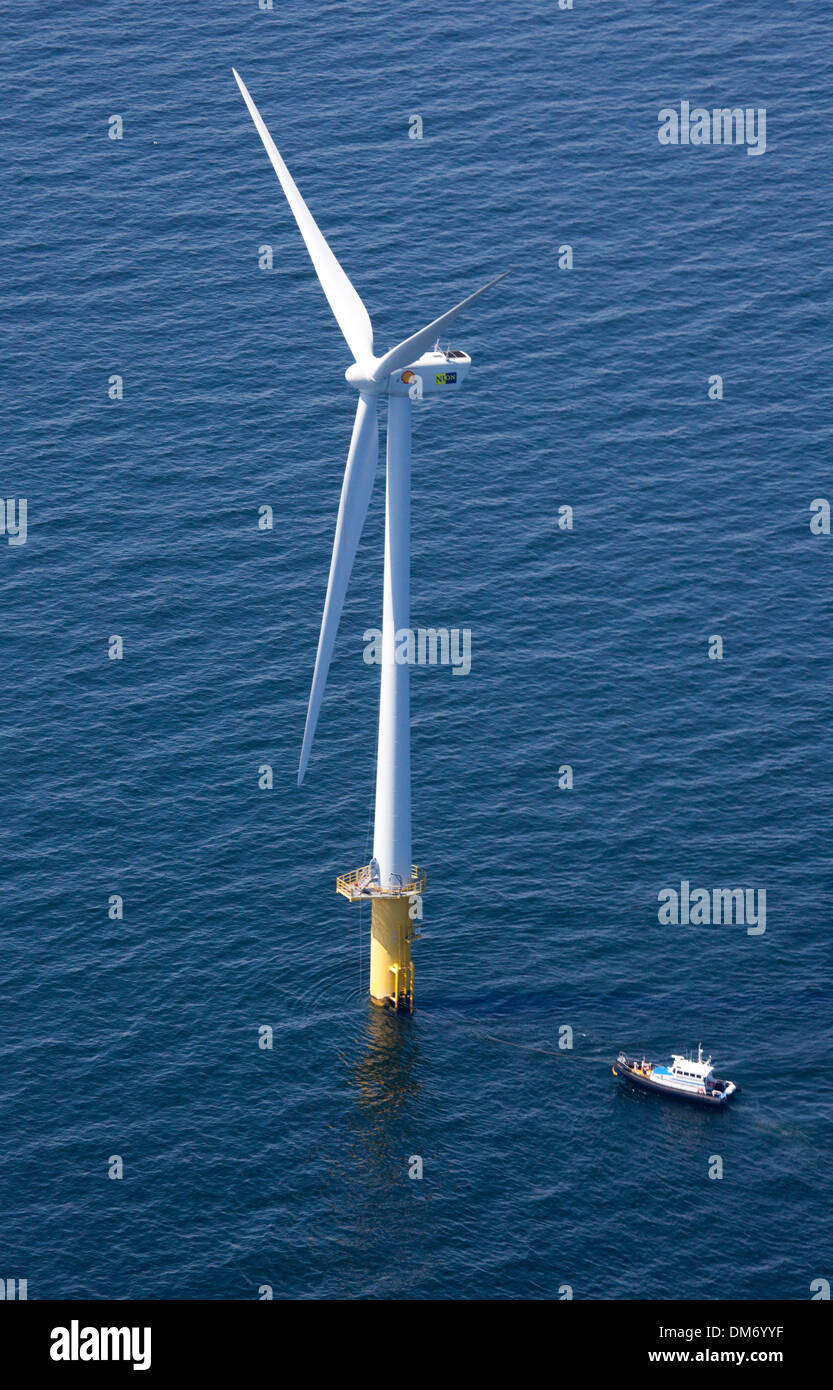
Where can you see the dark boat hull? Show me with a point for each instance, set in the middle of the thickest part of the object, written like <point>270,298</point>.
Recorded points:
<point>627,1073</point>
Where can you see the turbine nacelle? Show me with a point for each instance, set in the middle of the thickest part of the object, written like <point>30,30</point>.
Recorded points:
<point>432,373</point>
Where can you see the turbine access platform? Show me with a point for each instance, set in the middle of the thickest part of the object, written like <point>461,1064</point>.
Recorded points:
<point>394,910</point>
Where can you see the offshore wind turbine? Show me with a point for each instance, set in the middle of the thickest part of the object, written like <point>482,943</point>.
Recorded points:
<point>415,367</point>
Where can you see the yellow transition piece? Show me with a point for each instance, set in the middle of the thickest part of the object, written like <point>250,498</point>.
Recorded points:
<point>391,971</point>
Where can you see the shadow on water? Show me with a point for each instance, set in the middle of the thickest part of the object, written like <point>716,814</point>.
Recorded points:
<point>548,1003</point>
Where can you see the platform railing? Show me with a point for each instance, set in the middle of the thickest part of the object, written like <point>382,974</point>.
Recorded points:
<point>358,885</point>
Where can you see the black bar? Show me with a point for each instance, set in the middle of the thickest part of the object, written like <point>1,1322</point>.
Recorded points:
<point>222,1339</point>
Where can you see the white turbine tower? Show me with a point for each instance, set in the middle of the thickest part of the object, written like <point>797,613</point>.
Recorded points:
<point>417,366</point>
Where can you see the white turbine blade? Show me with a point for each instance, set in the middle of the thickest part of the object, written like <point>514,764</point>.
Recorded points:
<point>351,315</point>
<point>352,510</point>
<point>415,346</point>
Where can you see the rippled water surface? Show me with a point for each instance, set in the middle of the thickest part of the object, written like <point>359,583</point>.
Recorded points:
<point>245,1167</point>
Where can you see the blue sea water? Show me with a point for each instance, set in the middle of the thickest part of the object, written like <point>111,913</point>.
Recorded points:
<point>288,1167</point>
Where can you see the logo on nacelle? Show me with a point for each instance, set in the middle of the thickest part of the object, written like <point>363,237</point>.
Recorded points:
<point>445,378</point>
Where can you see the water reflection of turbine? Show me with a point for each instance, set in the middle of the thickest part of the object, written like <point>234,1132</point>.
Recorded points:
<point>386,1132</point>
<point>385,1074</point>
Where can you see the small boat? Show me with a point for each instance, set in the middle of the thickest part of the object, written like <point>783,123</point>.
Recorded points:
<point>685,1078</point>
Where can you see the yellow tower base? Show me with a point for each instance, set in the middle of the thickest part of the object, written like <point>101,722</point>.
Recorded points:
<point>391,971</point>
<point>391,930</point>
